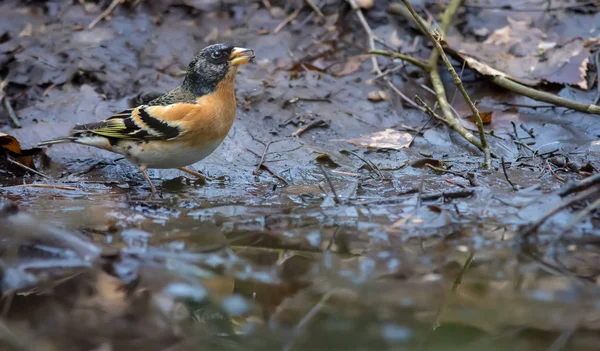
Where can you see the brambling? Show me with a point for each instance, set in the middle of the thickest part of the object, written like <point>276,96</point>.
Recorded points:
<point>178,128</point>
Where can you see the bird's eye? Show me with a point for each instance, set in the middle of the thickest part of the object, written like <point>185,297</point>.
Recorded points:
<point>216,54</point>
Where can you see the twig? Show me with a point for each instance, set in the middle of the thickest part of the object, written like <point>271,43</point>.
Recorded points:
<point>314,124</point>
<point>336,198</point>
<point>448,194</point>
<point>463,271</point>
<point>435,38</point>
<point>262,158</point>
<point>420,130</point>
<point>315,8</point>
<point>45,186</point>
<point>287,20</point>
<point>373,167</point>
<point>11,112</point>
<point>19,164</point>
<point>312,313</point>
<point>535,225</point>
<point>506,175</point>
<point>452,122</point>
<point>396,55</point>
<point>277,176</point>
<point>438,169</point>
<point>104,13</point>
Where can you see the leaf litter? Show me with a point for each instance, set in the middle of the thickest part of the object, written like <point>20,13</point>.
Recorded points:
<point>420,256</point>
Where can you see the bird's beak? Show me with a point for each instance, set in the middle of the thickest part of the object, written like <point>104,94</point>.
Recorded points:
<point>240,56</point>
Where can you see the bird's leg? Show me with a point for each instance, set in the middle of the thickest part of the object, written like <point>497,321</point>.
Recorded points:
<point>142,169</point>
<point>195,174</point>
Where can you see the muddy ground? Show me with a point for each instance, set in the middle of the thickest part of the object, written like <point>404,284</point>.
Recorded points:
<point>401,257</point>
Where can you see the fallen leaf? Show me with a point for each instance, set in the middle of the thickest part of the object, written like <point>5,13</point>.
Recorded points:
<point>351,65</point>
<point>387,139</point>
<point>486,117</point>
<point>365,4</point>
<point>10,146</point>
<point>377,96</point>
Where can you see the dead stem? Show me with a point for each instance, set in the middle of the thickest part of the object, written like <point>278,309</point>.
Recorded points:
<point>435,38</point>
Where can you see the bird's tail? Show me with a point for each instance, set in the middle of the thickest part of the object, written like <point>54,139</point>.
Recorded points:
<point>57,141</point>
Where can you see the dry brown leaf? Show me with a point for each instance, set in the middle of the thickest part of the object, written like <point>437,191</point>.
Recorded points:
<point>486,117</point>
<point>365,4</point>
<point>351,65</point>
<point>387,139</point>
<point>10,146</point>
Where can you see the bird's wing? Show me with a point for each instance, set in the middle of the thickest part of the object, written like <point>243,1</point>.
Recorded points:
<point>141,123</point>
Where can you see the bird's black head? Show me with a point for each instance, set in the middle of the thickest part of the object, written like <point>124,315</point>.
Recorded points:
<point>213,64</point>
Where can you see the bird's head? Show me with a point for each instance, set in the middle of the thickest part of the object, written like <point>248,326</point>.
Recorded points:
<point>214,64</point>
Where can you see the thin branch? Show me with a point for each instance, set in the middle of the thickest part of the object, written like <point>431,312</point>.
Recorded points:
<point>452,122</point>
<point>396,55</point>
<point>538,95</point>
<point>435,38</point>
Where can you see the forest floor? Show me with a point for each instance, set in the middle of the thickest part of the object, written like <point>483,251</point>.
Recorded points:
<point>341,217</point>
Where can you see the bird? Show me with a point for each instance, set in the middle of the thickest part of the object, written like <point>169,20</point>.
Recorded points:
<point>178,128</point>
